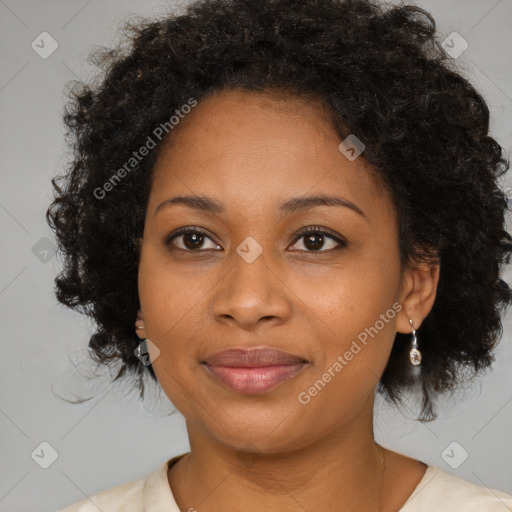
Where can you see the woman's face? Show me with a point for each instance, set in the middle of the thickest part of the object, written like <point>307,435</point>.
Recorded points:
<point>253,280</point>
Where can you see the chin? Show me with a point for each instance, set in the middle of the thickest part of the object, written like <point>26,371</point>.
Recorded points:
<point>260,434</point>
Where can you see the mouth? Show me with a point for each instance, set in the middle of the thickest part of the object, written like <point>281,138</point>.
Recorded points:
<point>254,370</point>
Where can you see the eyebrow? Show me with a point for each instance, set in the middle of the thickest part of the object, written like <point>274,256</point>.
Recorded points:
<point>209,204</point>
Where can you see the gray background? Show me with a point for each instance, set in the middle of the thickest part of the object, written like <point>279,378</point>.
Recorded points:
<point>113,438</point>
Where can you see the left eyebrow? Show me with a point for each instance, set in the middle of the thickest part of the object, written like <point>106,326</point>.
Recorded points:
<point>304,203</point>
<point>209,204</point>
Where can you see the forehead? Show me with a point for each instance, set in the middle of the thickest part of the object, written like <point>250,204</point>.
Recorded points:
<point>237,145</point>
<point>258,119</point>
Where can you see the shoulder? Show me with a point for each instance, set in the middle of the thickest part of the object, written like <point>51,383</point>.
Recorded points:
<point>444,492</point>
<point>127,497</point>
<point>149,494</point>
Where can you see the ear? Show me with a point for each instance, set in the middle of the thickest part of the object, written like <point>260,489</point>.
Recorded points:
<point>418,293</point>
<point>139,326</point>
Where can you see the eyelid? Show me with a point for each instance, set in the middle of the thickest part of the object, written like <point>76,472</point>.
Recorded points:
<point>322,231</point>
<point>187,229</point>
<point>302,232</point>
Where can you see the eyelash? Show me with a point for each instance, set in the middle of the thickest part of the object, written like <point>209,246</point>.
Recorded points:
<point>303,232</point>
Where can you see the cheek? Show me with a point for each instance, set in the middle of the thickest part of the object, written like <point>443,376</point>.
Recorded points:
<point>165,305</point>
<point>356,313</point>
<point>169,298</point>
<point>351,298</point>
<point>348,366</point>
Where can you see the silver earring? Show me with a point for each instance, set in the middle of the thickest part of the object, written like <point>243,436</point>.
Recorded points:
<point>414,354</point>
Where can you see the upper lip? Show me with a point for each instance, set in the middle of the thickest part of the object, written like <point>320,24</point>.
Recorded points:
<point>253,358</point>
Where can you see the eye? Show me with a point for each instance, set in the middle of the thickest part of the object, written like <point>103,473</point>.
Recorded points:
<point>314,238</point>
<point>192,239</point>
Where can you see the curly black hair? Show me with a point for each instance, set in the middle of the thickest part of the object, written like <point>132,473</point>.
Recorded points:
<point>382,74</point>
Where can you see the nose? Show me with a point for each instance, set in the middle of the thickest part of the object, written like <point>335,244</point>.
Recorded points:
<point>250,294</point>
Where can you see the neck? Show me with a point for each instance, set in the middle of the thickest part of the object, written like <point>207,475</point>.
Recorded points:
<point>345,468</point>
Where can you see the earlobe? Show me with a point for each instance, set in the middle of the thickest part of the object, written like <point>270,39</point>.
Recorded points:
<point>139,325</point>
<point>418,295</point>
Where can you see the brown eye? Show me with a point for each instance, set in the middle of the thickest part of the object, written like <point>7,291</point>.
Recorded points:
<point>315,239</point>
<point>191,240</point>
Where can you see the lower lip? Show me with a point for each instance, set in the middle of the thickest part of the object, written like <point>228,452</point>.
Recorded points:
<point>255,380</point>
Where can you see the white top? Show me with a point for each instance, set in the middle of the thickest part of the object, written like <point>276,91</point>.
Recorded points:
<point>437,491</point>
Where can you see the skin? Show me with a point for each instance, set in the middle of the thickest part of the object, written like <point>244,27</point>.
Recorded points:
<point>251,151</point>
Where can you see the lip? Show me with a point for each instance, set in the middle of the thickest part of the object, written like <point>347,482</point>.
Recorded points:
<point>253,357</point>
<point>254,370</point>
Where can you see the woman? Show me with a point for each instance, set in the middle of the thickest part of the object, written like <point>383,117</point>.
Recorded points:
<point>278,209</point>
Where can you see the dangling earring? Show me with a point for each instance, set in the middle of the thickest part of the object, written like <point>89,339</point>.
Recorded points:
<point>139,324</point>
<point>141,351</point>
<point>414,354</point>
